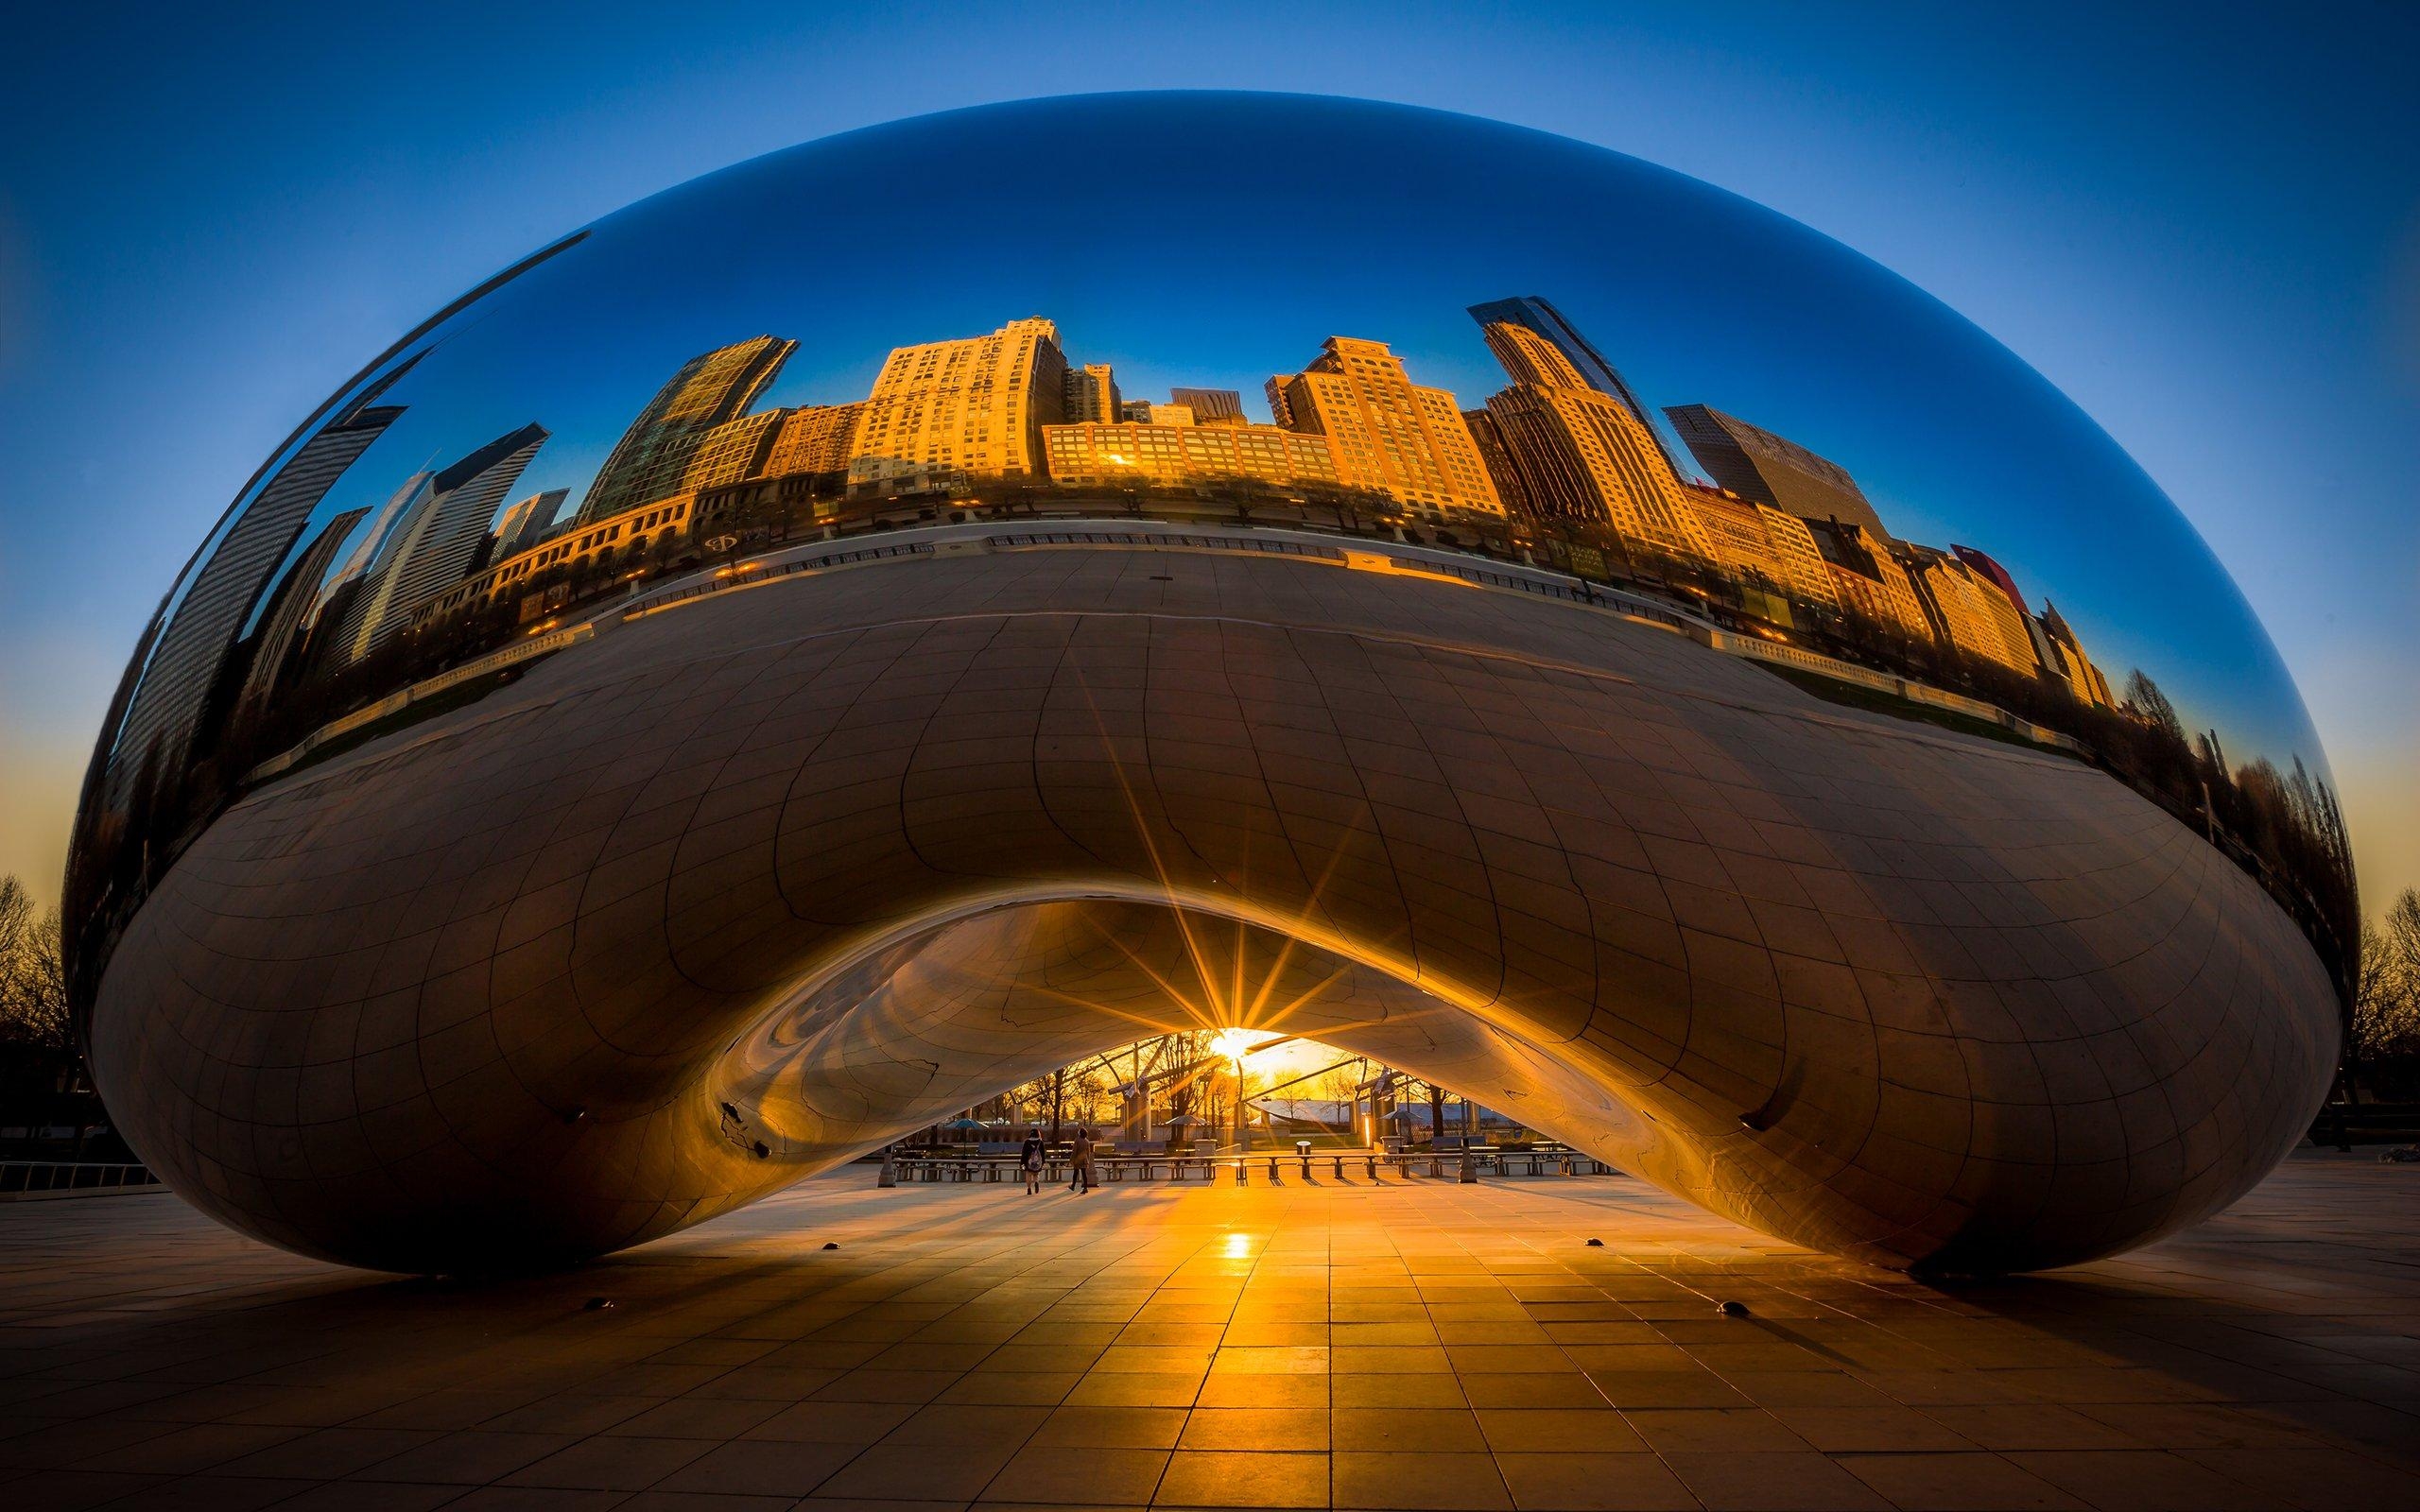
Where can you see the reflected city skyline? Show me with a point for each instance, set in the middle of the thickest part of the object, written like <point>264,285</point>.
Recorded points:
<point>1496,411</point>
<point>1885,591</point>
<point>1562,467</point>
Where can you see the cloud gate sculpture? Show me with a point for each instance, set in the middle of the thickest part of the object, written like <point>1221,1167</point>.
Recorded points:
<point>851,633</point>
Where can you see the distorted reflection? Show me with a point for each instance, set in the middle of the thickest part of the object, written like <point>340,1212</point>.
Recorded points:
<point>1379,337</point>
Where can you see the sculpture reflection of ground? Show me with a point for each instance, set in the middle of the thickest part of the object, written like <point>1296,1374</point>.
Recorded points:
<point>742,887</point>
<point>1430,1344</point>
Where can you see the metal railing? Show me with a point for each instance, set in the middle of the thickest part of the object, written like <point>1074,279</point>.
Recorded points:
<point>723,580</point>
<point>1197,541</point>
<point>1273,1166</point>
<point>37,1178</point>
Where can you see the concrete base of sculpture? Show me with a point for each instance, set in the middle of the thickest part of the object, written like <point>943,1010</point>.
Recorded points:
<point>743,888</point>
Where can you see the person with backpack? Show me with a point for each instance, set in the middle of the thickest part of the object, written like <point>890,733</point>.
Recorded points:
<point>1030,1160</point>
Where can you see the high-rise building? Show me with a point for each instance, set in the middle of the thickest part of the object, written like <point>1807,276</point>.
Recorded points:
<point>1145,412</point>
<point>579,548</point>
<point>1497,456</point>
<point>435,539</point>
<point>269,650</point>
<point>733,450</point>
<point>1094,454</point>
<point>1588,365</point>
<point>818,439</point>
<point>973,408</point>
<point>1868,580</point>
<point>192,644</point>
<point>1748,537</point>
<point>1092,395</point>
<point>1581,453</point>
<point>712,388</point>
<point>1388,432</point>
<point>2047,655</point>
<point>527,523</point>
<point>1775,470</point>
<point>1280,410</point>
<point>1972,612</point>
<point>2083,677</point>
<point>371,540</point>
<point>1210,406</point>
<point>1997,576</point>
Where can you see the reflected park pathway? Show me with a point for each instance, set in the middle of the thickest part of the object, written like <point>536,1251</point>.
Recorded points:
<point>1420,1344</point>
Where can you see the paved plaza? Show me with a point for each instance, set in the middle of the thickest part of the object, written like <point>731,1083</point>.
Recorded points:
<point>1322,1344</point>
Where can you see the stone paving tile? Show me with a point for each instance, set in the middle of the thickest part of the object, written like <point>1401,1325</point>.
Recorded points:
<point>1782,1481</point>
<point>2128,1479</point>
<point>1244,1479</point>
<point>1972,1482</point>
<point>1417,1479</point>
<point>1414,1346</point>
<point>1062,1474</point>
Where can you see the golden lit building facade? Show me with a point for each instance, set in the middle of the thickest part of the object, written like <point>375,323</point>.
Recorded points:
<point>1581,453</point>
<point>2083,676</point>
<point>629,533</point>
<point>733,450</point>
<point>1154,412</point>
<point>817,439</point>
<point>1180,454</point>
<point>1389,434</point>
<point>653,457</point>
<point>1867,580</point>
<point>1973,615</point>
<point>1091,395</point>
<point>1748,537</point>
<point>1497,456</point>
<point>951,410</point>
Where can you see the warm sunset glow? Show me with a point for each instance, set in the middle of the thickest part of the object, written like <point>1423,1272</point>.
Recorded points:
<point>1236,1043</point>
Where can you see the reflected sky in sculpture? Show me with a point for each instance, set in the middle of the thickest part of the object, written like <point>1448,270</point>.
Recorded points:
<point>1260,227</point>
<point>1205,241</point>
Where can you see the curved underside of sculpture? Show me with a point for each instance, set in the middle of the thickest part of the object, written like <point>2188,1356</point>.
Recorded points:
<point>743,888</point>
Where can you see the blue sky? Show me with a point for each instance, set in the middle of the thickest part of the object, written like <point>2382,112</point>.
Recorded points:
<point>2204,226</point>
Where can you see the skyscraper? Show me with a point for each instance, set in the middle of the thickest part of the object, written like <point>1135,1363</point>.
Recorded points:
<point>283,618</point>
<point>434,537</point>
<point>1775,470</point>
<point>971,408</point>
<point>1388,432</point>
<point>2085,679</point>
<point>1581,453</point>
<point>731,451</point>
<point>815,439</point>
<point>1092,395</point>
<point>1496,455</point>
<point>1536,315</point>
<point>1210,406</point>
<point>527,523</point>
<point>1974,614</point>
<point>1281,410</point>
<point>193,643</point>
<point>647,463</point>
<point>1869,579</point>
<point>1750,537</point>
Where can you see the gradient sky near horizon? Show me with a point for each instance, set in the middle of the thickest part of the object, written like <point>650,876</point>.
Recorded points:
<point>2219,258</point>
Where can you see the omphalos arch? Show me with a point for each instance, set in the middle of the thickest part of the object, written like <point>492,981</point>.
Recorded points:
<point>785,868</point>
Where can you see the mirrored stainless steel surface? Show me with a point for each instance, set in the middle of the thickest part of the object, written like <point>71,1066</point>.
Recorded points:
<point>819,645</point>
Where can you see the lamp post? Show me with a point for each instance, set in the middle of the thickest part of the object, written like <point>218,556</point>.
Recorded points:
<point>1243,1109</point>
<point>1470,1158</point>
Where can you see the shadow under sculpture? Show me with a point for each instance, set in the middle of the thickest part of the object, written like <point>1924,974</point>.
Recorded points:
<point>738,890</point>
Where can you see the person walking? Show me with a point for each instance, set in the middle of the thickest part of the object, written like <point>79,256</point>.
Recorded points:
<point>1082,1180</point>
<point>1030,1159</point>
